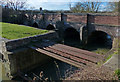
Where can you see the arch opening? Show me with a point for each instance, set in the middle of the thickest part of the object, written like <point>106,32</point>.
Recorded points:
<point>35,25</point>
<point>50,27</point>
<point>72,37</point>
<point>99,39</point>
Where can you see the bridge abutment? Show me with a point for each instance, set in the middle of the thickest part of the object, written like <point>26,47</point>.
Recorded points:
<point>17,56</point>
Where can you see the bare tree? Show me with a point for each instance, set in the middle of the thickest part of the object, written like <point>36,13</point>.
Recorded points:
<point>85,7</point>
<point>14,4</point>
<point>113,6</point>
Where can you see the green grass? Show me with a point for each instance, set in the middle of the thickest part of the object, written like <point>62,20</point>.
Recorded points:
<point>117,72</point>
<point>14,31</point>
<point>101,51</point>
<point>119,46</point>
<point>115,52</point>
<point>109,57</point>
<point>119,42</point>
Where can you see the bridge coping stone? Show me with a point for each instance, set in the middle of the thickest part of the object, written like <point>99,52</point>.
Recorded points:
<point>13,44</point>
<point>94,14</point>
<point>105,25</point>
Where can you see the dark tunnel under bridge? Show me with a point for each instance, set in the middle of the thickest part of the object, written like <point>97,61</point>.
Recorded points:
<point>100,39</point>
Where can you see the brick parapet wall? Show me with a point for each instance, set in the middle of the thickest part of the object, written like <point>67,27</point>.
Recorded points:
<point>103,19</point>
<point>53,17</point>
<point>93,18</point>
<point>77,17</point>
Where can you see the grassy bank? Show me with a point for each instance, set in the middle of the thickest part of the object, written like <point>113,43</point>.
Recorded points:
<point>14,31</point>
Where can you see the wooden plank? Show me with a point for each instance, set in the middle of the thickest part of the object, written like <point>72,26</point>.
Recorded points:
<point>72,52</point>
<point>85,57</point>
<point>85,52</point>
<point>78,50</point>
<point>66,60</point>
<point>70,57</point>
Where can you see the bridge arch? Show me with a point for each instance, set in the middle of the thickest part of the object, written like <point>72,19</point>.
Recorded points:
<point>71,34</point>
<point>35,25</point>
<point>50,27</point>
<point>100,38</point>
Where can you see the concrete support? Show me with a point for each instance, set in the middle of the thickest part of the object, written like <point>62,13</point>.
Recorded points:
<point>6,60</point>
<point>85,31</point>
<point>81,33</point>
<point>115,43</point>
<point>84,35</point>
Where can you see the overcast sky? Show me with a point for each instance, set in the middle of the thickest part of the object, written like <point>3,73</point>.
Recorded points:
<point>60,4</point>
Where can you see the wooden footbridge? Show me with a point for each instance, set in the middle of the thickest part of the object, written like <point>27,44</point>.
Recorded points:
<point>74,56</point>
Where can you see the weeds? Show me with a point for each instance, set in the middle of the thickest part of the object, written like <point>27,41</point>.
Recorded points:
<point>41,77</point>
<point>58,71</point>
<point>101,51</point>
<point>117,72</point>
<point>115,52</point>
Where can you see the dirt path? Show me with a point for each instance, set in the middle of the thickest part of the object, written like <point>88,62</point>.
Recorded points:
<point>95,73</point>
<point>104,72</point>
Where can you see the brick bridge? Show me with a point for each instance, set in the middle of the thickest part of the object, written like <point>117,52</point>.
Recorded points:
<point>85,24</point>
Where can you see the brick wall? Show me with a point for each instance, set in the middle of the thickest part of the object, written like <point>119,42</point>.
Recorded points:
<point>118,20</point>
<point>82,18</point>
<point>77,18</point>
<point>111,30</point>
<point>53,17</point>
<point>103,19</point>
<point>92,18</point>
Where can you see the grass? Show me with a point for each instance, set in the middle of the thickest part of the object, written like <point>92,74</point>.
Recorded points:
<point>109,57</point>
<point>115,52</point>
<point>119,46</point>
<point>14,31</point>
<point>116,49</point>
<point>101,51</point>
<point>117,72</point>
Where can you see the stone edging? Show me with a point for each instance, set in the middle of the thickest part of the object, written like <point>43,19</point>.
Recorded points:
<point>13,44</point>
